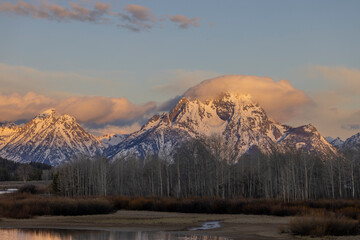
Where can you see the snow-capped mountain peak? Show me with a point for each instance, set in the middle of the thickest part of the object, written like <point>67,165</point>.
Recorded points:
<point>238,119</point>
<point>50,138</point>
<point>352,143</point>
<point>336,142</point>
<point>51,112</point>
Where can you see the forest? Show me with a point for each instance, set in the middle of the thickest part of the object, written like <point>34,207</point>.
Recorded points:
<point>13,171</point>
<point>206,168</point>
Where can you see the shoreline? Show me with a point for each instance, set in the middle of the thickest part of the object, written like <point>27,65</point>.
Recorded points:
<point>236,227</point>
<point>253,227</point>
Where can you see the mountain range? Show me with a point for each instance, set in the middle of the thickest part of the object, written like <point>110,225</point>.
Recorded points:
<point>240,122</point>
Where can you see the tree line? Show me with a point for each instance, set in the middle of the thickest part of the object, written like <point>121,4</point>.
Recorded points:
<point>207,167</point>
<point>13,171</point>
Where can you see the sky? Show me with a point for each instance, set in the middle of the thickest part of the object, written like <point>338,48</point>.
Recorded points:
<point>112,64</point>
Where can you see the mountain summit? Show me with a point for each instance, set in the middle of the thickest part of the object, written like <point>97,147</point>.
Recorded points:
<point>237,119</point>
<point>242,124</point>
<point>49,138</point>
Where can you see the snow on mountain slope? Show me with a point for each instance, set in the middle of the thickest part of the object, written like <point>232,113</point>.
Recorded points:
<point>237,118</point>
<point>352,143</point>
<point>111,139</point>
<point>242,124</point>
<point>337,142</point>
<point>155,137</point>
<point>50,138</point>
<point>6,130</point>
<point>306,139</point>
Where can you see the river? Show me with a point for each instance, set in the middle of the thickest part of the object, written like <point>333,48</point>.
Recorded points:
<point>61,234</point>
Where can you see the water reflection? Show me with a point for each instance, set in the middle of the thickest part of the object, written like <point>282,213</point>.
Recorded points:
<point>10,190</point>
<point>44,234</point>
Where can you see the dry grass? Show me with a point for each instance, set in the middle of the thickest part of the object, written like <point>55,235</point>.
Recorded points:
<point>24,205</point>
<point>319,225</point>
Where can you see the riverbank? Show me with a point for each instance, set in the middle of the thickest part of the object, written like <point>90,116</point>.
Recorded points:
<point>234,226</point>
<point>253,227</point>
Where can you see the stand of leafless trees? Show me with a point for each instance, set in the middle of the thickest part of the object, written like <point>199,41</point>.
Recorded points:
<point>208,168</point>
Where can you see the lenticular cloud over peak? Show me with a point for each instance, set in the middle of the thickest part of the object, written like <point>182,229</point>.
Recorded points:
<point>280,99</point>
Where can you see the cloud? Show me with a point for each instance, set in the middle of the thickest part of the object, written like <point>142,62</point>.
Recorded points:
<point>133,17</point>
<point>185,22</point>
<point>280,99</point>
<point>169,104</point>
<point>139,13</point>
<point>181,80</point>
<point>351,126</point>
<point>137,18</point>
<point>14,107</point>
<point>345,80</point>
<point>94,110</point>
<point>107,129</point>
<point>336,92</point>
<point>45,10</point>
<point>352,122</point>
<point>102,110</point>
<point>22,79</point>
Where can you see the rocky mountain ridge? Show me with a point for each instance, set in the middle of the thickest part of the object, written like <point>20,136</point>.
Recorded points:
<point>240,122</point>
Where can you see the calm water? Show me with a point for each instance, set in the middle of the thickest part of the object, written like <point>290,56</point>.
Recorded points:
<point>47,234</point>
<point>10,190</point>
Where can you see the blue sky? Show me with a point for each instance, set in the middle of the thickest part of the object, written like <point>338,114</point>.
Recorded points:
<point>313,44</point>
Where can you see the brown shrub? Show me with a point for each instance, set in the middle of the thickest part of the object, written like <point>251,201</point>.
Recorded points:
<point>319,226</point>
<point>28,188</point>
<point>38,206</point>
<point>350,212</point>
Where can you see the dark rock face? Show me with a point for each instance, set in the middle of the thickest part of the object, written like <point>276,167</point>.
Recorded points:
<point>224,108</point>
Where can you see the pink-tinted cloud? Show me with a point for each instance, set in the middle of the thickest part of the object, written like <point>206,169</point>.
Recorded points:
<point>133,17</point>
<point>91,110</point>
<point>180,80</point>
<point>102,110</point>
<point>137,18</point>
<point>280,99</point>
<point>185,22</point>
<point>139,13</point>
<point>344,80</point>
<point>338,99</point>
<point>46,10</point>
<point>16,107</point>
<point>113,129</point>
<point>23,79</point>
